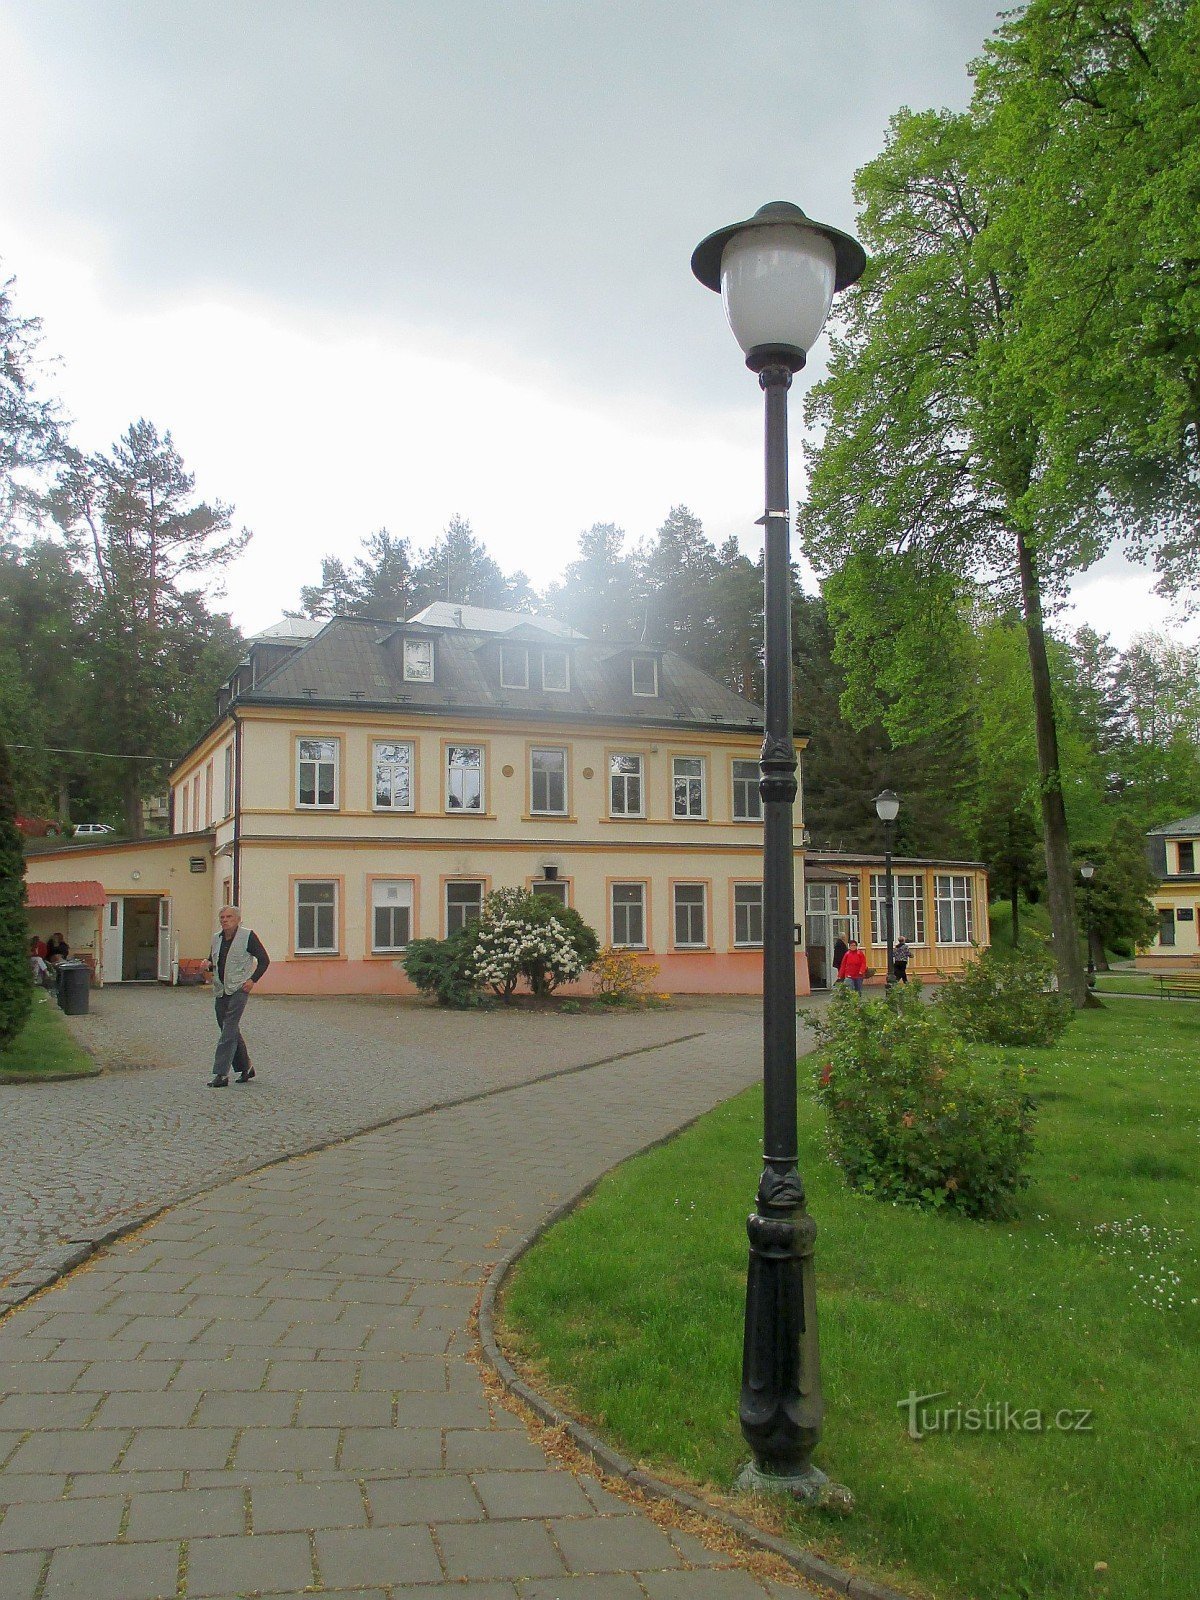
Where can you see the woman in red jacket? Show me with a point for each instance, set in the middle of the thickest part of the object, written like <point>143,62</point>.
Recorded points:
<point>854,967</point>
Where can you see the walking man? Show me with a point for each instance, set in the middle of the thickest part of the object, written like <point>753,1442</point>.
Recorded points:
<point>237,961</point>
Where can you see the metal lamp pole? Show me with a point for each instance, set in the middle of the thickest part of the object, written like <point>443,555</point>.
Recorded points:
<point>778,272</point>
<point>887,808</point>
<point>1087,872</point>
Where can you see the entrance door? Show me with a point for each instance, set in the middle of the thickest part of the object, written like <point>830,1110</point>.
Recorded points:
<point>166,972</point>
<point>113,944</point>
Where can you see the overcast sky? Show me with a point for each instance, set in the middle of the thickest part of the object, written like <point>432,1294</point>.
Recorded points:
<point>378,262</point>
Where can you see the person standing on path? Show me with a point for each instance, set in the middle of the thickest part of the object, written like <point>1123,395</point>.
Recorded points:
<point>854,967</point>
<point>237,961</point>
<point>901,956</point>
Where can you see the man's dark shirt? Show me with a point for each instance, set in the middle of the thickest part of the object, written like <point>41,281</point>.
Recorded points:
<point>254,945</point>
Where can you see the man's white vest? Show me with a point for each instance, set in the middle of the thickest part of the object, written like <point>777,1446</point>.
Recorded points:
<point>239,963</point>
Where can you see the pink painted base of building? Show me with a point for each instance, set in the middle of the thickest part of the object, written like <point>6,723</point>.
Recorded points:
<point>695,972</point>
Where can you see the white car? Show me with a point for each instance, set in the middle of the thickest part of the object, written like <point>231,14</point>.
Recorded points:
<point>85,830</point>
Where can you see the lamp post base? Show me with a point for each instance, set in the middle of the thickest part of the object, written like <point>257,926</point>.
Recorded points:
<point>812,1487</point>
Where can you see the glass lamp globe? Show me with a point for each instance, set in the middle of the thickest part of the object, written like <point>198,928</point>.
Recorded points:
<point>887,806</point>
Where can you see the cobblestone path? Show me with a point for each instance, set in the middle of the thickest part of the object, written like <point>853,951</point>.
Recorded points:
<point>78,1156</point>
<point>272,1390</point>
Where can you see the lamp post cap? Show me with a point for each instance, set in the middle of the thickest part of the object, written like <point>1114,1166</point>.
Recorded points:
<point>887,806</point>
<point>1086,871</point>
<point>849,256</point>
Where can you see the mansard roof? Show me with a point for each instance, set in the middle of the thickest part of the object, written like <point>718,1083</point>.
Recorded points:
<point>353,662</point>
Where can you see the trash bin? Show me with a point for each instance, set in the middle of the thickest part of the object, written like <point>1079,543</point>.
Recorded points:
<point>73,983</point>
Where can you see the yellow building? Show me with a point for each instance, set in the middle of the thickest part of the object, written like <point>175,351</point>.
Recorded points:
<point>367,783</point>
<point>1174,853</point>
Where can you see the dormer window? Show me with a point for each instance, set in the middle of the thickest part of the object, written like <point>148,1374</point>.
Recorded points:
<point>1187,856</point>
<point>418,660</point>
<point>645,677</point>
<point>556,673</point>
<point>514,666</point>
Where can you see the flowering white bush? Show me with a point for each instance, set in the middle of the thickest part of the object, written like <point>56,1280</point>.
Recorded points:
<point>522,935</point>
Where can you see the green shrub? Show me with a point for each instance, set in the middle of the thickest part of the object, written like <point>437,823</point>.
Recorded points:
<point>529,936</point>
<point>444,968</point>
<point>910,1116</point>
<point>1005,996</point>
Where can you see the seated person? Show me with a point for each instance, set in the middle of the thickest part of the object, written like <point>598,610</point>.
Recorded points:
<point>57,949</point>
<point>38,970</point>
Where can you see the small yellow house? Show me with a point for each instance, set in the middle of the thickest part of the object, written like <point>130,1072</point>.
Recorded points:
<point>367,783</point>
<point>1174,855</point>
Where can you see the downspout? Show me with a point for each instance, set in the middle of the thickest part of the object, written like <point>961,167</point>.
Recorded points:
<point>237,808</point>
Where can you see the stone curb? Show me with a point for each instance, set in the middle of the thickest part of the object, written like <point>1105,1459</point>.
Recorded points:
<point>49,1077</point>
<point>615,1465</point>
<point>52,1265</point>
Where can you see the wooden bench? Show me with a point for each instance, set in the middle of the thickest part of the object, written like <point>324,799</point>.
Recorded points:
<point>1179,985</point>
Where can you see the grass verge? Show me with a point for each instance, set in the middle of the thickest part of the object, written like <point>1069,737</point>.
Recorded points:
<point>44,1048</point>
<point>631,1310</point>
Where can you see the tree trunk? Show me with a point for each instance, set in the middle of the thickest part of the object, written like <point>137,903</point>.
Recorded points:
<point>1098,953</point>
<point>131,798</point>
<point>1014,901</point>
<point>1060,873</point>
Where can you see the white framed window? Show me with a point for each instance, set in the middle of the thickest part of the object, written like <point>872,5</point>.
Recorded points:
<point>548,781</point>
<point>514,666</point>
<point>908,907</point>
<point>464,777</point>
<point>317,773</point>
<point>392,761</point>
<point>645,676</point>
<point>629,916</point>
<point>418,660</point>
<point>955,913</point>
<point>747,800</point>
<point>691,916</point>
<point>747,915</point>
<point>464,903</point>
<point>556,671</point>
<point>551,889</point>
<point>1187,855</point>
<point>391,914</point>
<point>316,917</point>
<point>1166,926</point>
<point>687,781</point>
<point>625,786</point>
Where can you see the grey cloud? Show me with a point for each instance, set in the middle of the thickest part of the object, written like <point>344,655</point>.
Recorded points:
<point>533,173</point>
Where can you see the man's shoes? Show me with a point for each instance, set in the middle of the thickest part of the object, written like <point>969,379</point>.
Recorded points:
<point>218,1083</point>
<point>244,1077</point>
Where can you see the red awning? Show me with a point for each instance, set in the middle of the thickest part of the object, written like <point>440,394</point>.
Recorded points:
<point>47,896</point>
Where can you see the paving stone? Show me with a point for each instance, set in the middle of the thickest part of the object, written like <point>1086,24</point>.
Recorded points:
<point>338,1376</point>
<point>531,1494</point>
<point>122,1483</point>
<point>142,1409</point>
<point>478,1449</point>
<point>270,1561</point>
<point>404,1373</point>
<point>614,1544</point>
<point>276,1509</point>
<point>443,1498</point>
<point>330,1409</point>
<point>111,1377</point>
<point>431,1409</point>
<point>498,1550</point>
<point>245,1373</point>
<point>17,1488</point>
<point>726,1584</point>
<point>377,1555</point>
<point>385,1449</point>
<point>179,1447</point>
<point>288,1448</point>
<point>189,1515</point>
<point>45,1524</point>
<point>612,1586</point>
<point>451,1591</point>
<point>21,1411</point>
<point>94,1451</point>
<point>20,1575</point>
<point>114,1572</point>
<point>262,1408</point>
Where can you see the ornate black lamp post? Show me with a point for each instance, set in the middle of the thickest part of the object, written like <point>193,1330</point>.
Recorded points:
<point>778,273</point>
<point>1087,872</point>
<point>887,809</point>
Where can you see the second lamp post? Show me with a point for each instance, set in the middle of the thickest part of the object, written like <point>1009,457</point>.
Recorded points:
<point>887,809</point>
<point>778,273</point>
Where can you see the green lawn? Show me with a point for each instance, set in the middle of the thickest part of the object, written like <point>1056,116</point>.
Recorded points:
<point>632,1307</point>
<point>44,1048</point>
<point>1126,982</point>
